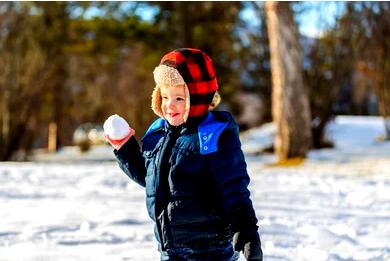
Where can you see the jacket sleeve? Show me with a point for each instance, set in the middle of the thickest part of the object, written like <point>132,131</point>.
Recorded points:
<point>131,161</point>
<point>230,177</point>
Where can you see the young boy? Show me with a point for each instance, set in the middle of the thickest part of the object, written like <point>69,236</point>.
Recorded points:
<point>192,166</point>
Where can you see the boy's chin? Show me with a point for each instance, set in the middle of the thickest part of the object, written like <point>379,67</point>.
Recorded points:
<point>175,122</point>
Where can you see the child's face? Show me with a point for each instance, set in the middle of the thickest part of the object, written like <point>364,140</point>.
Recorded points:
<point>173,104</point>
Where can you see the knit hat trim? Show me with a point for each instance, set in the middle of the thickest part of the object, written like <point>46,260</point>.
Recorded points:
<point>167,75</point>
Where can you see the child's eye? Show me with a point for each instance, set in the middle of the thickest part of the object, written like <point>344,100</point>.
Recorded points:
<point>164,97</point>
<point>180,99</point>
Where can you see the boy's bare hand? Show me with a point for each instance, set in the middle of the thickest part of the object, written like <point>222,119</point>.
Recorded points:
<point>117,131</point>
<point>117,144</point>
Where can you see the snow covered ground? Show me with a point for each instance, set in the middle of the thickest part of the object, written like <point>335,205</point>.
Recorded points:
<point>335,206</point>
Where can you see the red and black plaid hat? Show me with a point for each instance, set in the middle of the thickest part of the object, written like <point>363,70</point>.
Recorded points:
<point>198,73</point>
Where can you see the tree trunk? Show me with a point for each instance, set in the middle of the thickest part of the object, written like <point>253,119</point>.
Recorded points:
<point>383,89</point>
<point>185,29</point>
<point>290,104</point>
<point>56,22</point>
<point>5,130</point>
<point>387,128</point>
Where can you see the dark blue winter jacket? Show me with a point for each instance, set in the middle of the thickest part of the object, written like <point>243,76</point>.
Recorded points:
<point>196,180</point>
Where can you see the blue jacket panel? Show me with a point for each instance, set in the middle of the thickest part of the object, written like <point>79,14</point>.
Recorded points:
<point>194,192</point>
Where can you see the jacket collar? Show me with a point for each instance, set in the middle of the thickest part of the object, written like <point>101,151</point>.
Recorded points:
<point>208,127</point>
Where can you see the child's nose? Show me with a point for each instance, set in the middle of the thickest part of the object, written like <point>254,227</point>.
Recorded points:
<point>171,104</point>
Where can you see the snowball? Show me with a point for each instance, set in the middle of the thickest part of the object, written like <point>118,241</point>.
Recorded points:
<point>116,127</point>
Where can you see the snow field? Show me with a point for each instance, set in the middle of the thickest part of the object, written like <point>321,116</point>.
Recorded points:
<point>335,206</point>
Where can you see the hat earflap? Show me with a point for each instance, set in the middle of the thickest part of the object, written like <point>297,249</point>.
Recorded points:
<point>156,101</point>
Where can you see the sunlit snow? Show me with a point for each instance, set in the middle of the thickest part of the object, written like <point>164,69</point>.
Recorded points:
<point>335,206</point>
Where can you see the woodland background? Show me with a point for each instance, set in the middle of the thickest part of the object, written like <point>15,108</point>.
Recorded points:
<point>68,63</point>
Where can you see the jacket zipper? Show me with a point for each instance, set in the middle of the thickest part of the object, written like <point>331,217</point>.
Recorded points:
<point>157,167</point>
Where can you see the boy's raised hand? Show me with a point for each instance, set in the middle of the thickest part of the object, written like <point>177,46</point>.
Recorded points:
<point>117,131</point>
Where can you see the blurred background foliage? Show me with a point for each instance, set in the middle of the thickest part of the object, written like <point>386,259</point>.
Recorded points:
<point>70,63</point>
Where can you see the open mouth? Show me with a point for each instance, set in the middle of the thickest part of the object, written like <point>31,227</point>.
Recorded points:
<point>172,115</point>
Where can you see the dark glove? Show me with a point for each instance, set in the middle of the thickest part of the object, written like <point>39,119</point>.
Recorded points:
<point>248,241</point>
